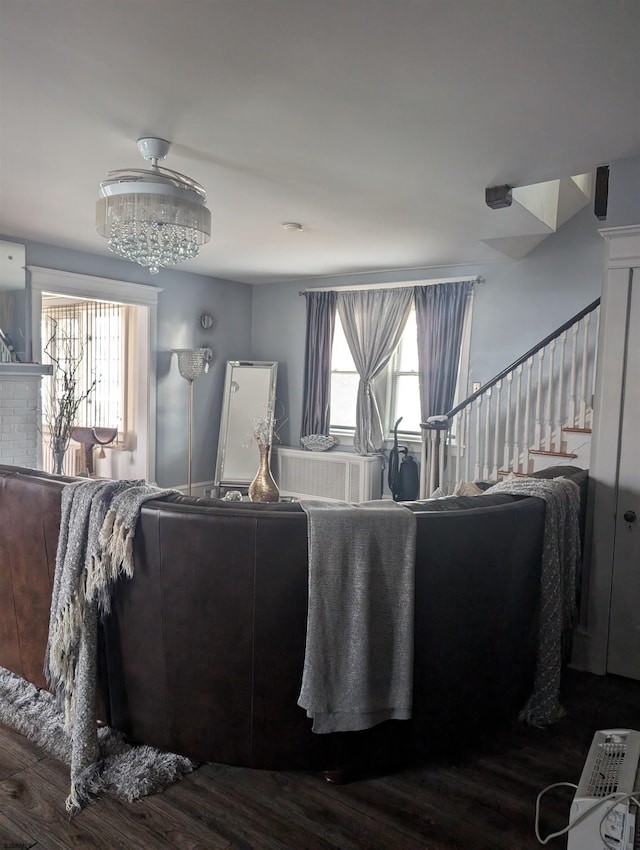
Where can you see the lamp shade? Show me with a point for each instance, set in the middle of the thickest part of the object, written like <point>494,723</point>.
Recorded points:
<point>191,361</point>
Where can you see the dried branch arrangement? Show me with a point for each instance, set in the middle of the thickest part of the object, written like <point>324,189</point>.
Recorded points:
<point>65,392</point>
<point>266,428</point>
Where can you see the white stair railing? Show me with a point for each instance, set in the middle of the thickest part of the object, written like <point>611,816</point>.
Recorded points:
<point>527,408</point>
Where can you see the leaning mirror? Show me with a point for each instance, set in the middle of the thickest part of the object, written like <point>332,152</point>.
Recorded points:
<point>249,393</point>
<point>15,343</point>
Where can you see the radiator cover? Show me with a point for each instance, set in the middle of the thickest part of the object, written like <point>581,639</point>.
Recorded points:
<point>328,476</point>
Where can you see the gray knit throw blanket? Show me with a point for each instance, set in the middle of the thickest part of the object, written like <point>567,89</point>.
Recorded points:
<point>557,613</point>
<point>95,547</point>
<point>358,667</point>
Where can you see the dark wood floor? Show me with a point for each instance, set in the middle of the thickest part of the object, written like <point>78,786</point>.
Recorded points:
<point>481,799</point>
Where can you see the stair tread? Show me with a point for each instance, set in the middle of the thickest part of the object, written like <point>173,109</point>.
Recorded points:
<point>551,454</point>
<point>576,430</point>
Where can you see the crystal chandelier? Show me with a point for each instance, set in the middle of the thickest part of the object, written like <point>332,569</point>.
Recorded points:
<point>155,217</point>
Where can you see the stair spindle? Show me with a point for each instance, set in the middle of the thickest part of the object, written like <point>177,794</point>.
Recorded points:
<point>585,369</point>
<point>441,456</point>
<point>487,432</point>
<point>478,446</point>
<point>537,434</point>
<point>496,431</point>
<point>508,446</point>
<point>548,438</point>
<point>527,416</point>
<point>560,422</point>
<point>467,441</point>
<point>516,462</point>
<point>571,418</point>
<point>433,454</point>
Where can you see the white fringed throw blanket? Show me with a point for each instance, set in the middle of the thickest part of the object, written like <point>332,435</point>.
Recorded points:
<point>358,667</point>
<point>560,559</point>
<point>95,547</point>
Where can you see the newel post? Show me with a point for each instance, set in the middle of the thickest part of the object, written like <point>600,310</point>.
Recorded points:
<point>434,441</point>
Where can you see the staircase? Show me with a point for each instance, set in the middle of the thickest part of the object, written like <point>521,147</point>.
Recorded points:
<point>535,413</point>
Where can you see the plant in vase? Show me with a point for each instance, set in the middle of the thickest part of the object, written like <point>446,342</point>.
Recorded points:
<point>65,391</point>
<point>263,488</point>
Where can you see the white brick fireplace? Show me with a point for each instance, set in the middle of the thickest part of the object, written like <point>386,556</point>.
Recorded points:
<point>20,413</point>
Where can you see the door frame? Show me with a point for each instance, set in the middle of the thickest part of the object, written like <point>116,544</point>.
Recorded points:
<point>591,641</point>
<point>40,279</point>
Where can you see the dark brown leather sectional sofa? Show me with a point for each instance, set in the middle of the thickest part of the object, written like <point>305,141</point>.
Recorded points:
<point>203,651</point>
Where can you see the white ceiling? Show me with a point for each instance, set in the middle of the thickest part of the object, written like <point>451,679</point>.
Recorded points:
<point>377,124</point>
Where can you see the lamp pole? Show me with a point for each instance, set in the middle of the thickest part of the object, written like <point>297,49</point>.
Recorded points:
<point>191,362</point>
<point>190,426</point>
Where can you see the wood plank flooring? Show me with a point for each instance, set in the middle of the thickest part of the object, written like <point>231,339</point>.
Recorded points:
<point>481,798</point>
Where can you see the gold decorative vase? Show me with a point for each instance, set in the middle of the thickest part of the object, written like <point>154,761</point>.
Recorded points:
<point>263,488</point>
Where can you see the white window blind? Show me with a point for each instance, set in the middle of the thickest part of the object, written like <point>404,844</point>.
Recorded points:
<point>92,335</point>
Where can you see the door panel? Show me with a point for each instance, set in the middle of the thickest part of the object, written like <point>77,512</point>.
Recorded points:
<point>624,623</point>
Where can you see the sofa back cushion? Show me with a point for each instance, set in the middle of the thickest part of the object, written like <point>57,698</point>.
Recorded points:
<point>30,512</point>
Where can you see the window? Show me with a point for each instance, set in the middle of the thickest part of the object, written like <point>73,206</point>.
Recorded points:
<point>397,389</point>
<point>344,382</point>
<point>404,391</point>
<point>135,455</point>
<point>91,334</point>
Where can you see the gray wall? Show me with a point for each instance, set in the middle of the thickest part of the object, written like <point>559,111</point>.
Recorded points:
<point>517,305</point>
<point>183,298</point>
<point>624,193</point>
<point>180,307</point>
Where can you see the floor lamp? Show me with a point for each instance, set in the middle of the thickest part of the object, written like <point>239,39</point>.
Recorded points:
<point>191,362</point>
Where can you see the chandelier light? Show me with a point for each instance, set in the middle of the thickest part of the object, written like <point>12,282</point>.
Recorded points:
<point>155,217</point>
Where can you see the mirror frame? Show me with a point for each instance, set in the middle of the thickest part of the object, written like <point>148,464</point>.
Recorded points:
<point>239,436</point>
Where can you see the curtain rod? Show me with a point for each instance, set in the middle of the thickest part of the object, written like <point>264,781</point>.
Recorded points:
<point>398,285</point>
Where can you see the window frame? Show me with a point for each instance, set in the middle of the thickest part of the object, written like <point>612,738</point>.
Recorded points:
<point>390,417</point>
<point>384,383</point>
<point>142,346</point>
<point>74,309</point>
<point>379,387</point>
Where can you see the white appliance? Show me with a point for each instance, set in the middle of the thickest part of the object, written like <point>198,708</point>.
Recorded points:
<point>612,766</point>
<point>328,476</point>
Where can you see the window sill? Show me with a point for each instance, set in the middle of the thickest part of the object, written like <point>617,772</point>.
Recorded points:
<point>345,439</point>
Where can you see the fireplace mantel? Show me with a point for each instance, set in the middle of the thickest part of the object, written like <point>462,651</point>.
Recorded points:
<point>24,370</point>
<point>20,412</point>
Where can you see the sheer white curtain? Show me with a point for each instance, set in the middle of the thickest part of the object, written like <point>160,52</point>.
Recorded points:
<point>373,321</point>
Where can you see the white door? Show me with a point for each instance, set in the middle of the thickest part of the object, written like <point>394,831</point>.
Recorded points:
<point>623,656</point>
